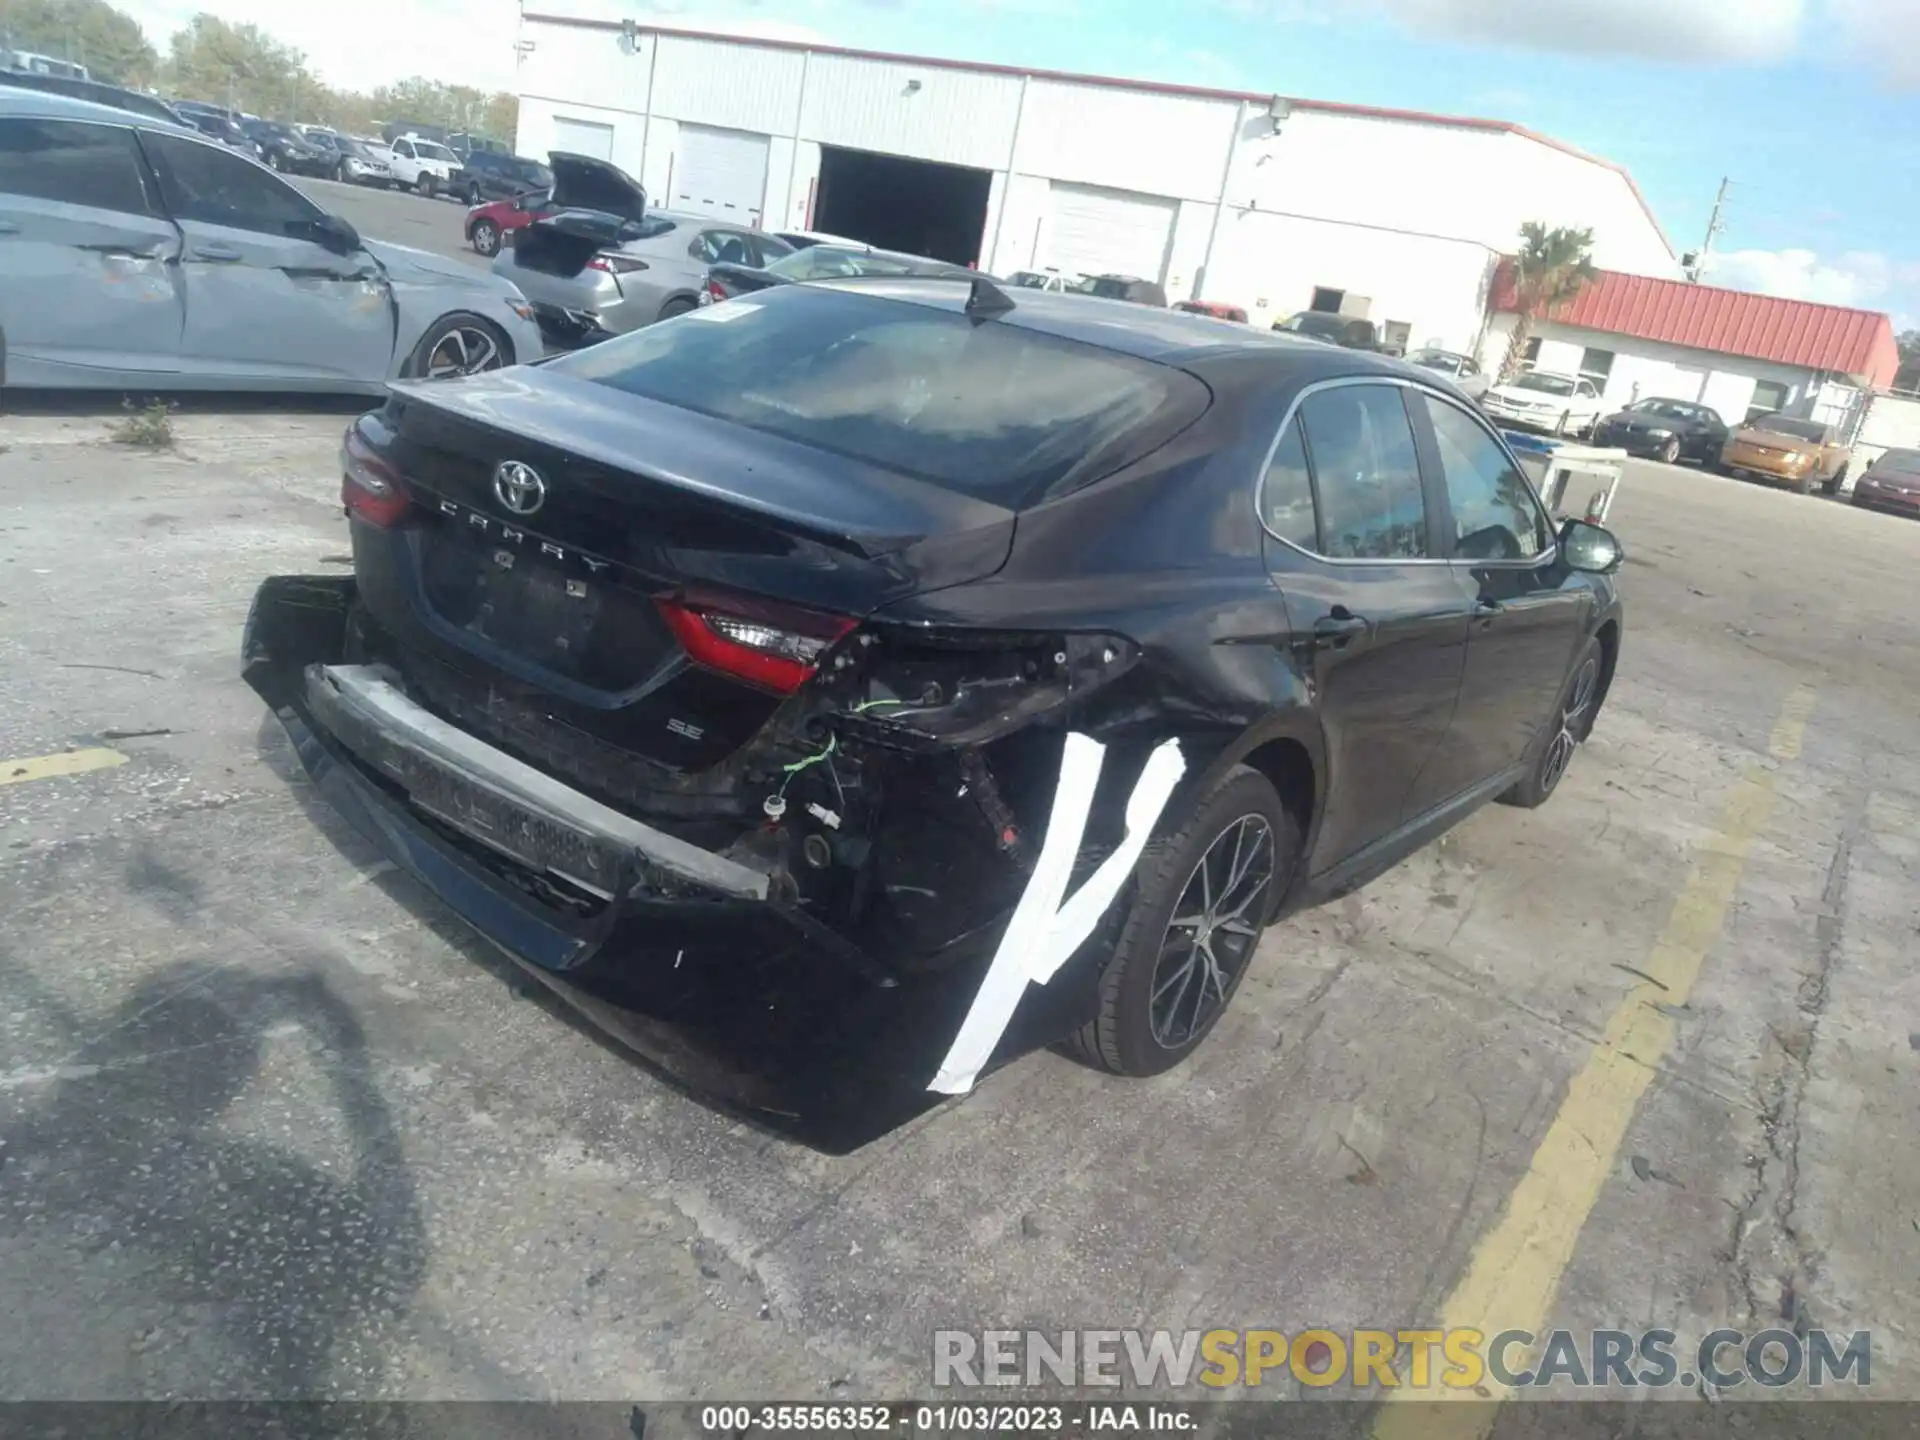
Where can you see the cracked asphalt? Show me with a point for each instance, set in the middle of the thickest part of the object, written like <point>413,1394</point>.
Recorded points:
<point>273,1126</point>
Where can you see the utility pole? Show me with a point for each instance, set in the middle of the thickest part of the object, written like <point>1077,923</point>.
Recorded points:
<point>1715,224</point>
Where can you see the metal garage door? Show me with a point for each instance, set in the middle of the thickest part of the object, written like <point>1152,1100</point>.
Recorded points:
<point>1110,232</point>
<point>722,173</point>
<point>583,137</point>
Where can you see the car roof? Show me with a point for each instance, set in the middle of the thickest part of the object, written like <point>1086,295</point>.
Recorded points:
<point>1146,332</point>
<point>18,102</point>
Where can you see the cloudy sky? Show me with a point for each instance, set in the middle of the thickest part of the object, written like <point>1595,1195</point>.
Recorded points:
<point>1807,105</point>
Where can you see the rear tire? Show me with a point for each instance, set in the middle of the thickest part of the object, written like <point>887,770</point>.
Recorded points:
<point>676,307</point>
<point>486,237</point>
<point>1565,731</point>
<point>473,195</point>
<point>1184,930</point>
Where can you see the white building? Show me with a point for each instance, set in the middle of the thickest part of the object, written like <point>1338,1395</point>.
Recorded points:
<point>1641,338</point>
<point>1276,205</point>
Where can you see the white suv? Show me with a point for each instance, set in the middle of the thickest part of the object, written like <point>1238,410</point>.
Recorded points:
<point>424,165</point>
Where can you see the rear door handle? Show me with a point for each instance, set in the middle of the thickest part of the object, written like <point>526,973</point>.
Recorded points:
<point>216,255</point>
<point>1338,630</point>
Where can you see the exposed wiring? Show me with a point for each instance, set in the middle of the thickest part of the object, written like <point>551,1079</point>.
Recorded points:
<point>866,705</point>
<point>823,755</point>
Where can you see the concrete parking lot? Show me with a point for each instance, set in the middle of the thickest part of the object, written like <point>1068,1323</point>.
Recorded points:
<point>272,1125</point>
<point>400,216</point>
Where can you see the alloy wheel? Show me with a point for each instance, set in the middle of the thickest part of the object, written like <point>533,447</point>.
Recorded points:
<point>1572,720</point>
<point>1670,452</point>
<point>1215,926</point>
<point>486,239</point>
<point>463,350</point>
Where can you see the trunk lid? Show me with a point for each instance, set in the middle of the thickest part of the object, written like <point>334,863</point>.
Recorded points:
<point>581,182</point>
<point>549,607</point>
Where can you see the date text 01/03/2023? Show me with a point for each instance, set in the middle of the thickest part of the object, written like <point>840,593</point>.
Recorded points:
<point>917,1419</point>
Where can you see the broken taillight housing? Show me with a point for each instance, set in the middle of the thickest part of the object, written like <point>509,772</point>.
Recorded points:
<point>370,488</point>
<point>610,264</point>
<point>774,646</point>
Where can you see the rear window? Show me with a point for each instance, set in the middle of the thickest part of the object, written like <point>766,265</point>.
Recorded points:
<point>993,411</point>
<point>1799,429</point>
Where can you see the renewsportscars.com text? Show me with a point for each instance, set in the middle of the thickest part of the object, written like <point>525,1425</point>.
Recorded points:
<point>1462,1359</point>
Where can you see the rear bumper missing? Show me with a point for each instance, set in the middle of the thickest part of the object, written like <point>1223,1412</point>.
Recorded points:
<point>690,958</point>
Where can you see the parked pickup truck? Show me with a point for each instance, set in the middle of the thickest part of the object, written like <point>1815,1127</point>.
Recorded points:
<point>424,165</point>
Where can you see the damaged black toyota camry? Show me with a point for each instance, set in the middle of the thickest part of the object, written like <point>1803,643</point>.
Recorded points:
<point>841,690</point>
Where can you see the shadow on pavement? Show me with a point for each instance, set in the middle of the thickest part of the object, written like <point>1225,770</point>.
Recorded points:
<point>285,1267</point>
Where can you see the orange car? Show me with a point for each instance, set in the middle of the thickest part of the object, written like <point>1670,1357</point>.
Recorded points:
<point>1780,451</point>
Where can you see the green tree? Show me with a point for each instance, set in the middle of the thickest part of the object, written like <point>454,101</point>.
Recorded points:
<point>1551,268</point>
<point>502,117</point>
<point>109,43</point>
<point>241,66</point>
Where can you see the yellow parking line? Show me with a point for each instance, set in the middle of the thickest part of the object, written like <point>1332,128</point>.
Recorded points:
<point>1514,1274</point>
<point>67,762</point>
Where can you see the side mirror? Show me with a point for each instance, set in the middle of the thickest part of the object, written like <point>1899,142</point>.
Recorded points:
<point>335,234</point>
<point>1590,549</point>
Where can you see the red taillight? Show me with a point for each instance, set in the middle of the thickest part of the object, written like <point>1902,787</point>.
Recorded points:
<point>773,646</point>
<point>370,488</point>
<point>616,264</point>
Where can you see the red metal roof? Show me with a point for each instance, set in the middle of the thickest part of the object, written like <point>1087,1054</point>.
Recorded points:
<point>1156,87</point>
<point>1834,338</point>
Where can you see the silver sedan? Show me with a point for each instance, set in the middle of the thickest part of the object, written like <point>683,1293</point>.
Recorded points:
<point>137,255</point>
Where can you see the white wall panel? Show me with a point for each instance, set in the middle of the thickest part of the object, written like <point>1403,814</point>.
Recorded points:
<point>1021,230</point>
<point>805,185</point>
<point>1189,254</point>
<point>955,116</point>
<point>663,143</point>
<point>574,63</point>
<point>780,159</point>
<point>1726,382</point>
<point>1124,139</point>
<point>1536,181</point>
<point>1270,264</point>
<point>1424,179</point>
<point>729,86</point>
<point>537,134</point>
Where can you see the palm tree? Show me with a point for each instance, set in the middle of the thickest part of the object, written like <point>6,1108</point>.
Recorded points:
<point>1551,268</point>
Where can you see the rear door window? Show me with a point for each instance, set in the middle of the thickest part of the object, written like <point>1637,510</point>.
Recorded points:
<point>73,163</point>
<point>994,411</point>
<point>1361,447</point>
<point>1286,492</point>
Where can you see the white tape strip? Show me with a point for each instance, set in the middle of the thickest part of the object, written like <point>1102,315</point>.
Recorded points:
<point>1043,932</point>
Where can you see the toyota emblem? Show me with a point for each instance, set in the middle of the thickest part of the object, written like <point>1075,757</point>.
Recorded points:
<point>519,487</point>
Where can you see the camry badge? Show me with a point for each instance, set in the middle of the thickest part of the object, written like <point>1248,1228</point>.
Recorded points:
<point>519,487</point>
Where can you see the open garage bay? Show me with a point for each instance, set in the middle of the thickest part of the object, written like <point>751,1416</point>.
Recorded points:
<point>271,1124</point>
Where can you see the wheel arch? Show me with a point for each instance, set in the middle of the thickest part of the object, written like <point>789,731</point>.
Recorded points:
<point>1609,637</point>
<point>1287,748</point>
